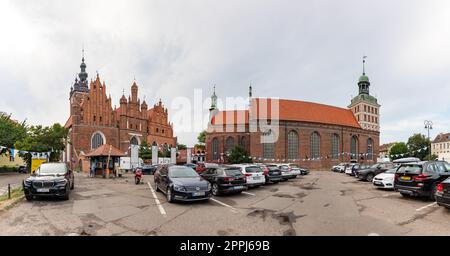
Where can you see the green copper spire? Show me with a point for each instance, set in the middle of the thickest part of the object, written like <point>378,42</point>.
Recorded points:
<point>363,82</point>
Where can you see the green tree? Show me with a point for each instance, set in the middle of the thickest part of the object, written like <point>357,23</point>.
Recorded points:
<point>145,151</point>
<point>239,155</point>
<point>397,149</point>
<point>415,145</point>
<point>181,146</point>
<point>11,131</point>
<point>43,139</point>
<point>202,137</point>
<point>433,157</point>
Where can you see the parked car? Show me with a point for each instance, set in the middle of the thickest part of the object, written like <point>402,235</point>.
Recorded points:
<point>421,179</point>
<point>303,171</point>
<point>443,193</point>
<point>49,179</point>
<point>225,179</point>
<point>273,174</point>
<point>286,173</point>
<point>385,179</point>
<point>340,167</point>
<point>295,171</point>
<point>367,174</point>
<point>181,183</point>
<point>348,169</point>
<point>254,174</point>
<point>200,167</point>
<point>149,169</point>
<point>193,166</point>
<point>23,169</point>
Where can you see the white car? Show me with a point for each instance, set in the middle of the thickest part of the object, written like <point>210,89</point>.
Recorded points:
<point>348,169</point>
<point>289,171</point>
<point>254,174</point>
<point>339,168</point>
<point>385,179</point>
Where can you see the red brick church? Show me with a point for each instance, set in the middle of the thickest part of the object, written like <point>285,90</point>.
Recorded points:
<point>94,122</point>
<point>292,131</point>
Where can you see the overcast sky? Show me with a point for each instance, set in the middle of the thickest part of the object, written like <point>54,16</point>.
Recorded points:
<point>305,50</point>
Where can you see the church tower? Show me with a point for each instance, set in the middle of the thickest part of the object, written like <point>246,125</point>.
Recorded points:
<point>78,92</point>
<point>365,107</point>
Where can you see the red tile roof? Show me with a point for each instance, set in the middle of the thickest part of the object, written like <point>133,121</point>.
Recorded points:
<point>105,150</point>
<point>290,110</point>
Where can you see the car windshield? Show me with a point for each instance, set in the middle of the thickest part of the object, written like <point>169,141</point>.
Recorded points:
<point>182,172</point>
<point>51,169</point>
<point>233,171</point>
<point>413,169</point>
<point>294,165</point>
<point>252,169</point>
<point>443,167</point>
<point>374,166</point>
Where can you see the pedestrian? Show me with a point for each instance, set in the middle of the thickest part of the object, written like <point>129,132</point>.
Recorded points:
<point>92,171</point>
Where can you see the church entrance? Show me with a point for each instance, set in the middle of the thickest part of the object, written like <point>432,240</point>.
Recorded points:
<point>134,147</point>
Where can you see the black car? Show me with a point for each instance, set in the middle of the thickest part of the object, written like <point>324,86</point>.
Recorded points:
<point>358,167</point>
<point>50,179</point>
<point>443,193</point>
<point>225,180</point>
<point>272,173</point>
<point>181,183</point>
<point>149,169</point>
<point>421,179</point>
<point>23,169</point>
<point>369,173</point>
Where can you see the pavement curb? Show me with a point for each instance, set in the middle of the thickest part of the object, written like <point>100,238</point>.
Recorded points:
<point>8,204</point>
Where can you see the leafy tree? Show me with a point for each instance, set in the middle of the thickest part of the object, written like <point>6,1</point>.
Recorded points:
<point>145,151</point>
<point>181,146</point>
<point>202,137</point>
<point>239,155</point>
<point>200,147</point>
<point>397,149</point>
<point>416,143</point>
<point>11,131</point>
<point>433,157</point>
<point>43,139</point>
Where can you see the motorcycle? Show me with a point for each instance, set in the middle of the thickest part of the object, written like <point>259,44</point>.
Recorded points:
<point>138,176</point>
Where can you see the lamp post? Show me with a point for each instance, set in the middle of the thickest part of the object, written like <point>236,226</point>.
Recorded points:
<point>429,126</point>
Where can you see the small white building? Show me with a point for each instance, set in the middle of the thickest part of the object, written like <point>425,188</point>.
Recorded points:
<point>441,146</point>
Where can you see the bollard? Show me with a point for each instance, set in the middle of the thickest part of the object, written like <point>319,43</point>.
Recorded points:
<point>9,191</point>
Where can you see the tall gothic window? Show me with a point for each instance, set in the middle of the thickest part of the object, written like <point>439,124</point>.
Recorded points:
<point>354,148</point>
<point>335,146</point>
<point>369,149</point>
<point>315,145</point>
<point>269,150</point>
<point>244,142</point>
<point>97,140</point>
<point>215,149</point>
<point>229,144</point>
<point>292,142</point>
<point>134,141</point>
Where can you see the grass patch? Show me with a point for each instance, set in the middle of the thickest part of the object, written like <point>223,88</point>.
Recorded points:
<point>15,193</point>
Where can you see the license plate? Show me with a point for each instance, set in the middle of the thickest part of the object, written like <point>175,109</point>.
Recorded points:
<point>202,193</point>
<point>257,178</point>
<point>377,183</point>
<point>43,190</point>
<point>405,178</point>
<point>238,187</point>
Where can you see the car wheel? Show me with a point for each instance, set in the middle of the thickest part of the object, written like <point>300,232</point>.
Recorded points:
<point>405,195</point>
<point>369,177</point>
<point>29,197</point>
<point>215,189</point>
<point>169,195</point>
<point>157,188</point>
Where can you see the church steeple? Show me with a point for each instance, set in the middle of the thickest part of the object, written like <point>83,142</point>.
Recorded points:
<point>82,84</point>
<point>363,82</point>
<point>213,100</point>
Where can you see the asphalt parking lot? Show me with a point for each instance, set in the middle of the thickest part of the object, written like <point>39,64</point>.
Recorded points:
<point>322,203</point>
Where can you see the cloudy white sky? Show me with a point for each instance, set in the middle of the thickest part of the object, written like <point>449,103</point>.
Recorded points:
<point>306,50</point>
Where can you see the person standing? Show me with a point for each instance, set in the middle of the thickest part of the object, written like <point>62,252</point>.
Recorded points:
<point>92,171</point>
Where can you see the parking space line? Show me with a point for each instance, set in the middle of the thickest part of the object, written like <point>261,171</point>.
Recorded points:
<point>426,206</point>
<point>226,205</point>
<point>243,192</point>
<point>158,203</point>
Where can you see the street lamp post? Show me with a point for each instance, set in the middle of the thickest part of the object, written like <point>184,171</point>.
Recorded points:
<point>429,126</point>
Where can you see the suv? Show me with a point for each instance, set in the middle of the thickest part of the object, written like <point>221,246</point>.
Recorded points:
<point>50,179</point>
<point>369,173</point>
<point>254,174</point>
<point>225,179</point>
<point>421,179</point>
